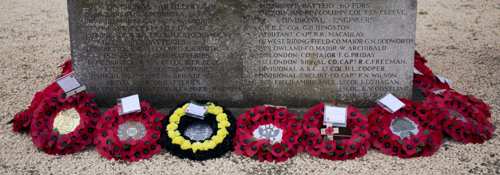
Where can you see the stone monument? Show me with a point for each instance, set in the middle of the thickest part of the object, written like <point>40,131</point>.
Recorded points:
<point>244,52</point>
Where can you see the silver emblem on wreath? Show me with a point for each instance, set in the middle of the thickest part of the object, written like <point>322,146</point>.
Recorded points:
<point>131,130</point>
<point>403,127</point>
<point>268,132</point>
<point>198,131</point>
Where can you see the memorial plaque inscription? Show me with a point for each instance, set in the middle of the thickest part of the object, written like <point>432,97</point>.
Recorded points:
<point>244,52</point>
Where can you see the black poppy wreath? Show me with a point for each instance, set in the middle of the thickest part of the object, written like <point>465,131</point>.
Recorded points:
<point>466,119</point>
<point>319,145</point>
<point>199,138</point>
<point>64,125</point>
<point>130,137</point>
<point>411,131</point>
<point>268,133</point>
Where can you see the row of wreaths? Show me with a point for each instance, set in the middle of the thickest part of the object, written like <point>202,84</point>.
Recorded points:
<point>443,112</point>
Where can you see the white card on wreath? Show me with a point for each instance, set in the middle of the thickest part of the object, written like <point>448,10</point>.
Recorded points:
<point>337,116</point>
<point>196,111</point>
<point>129,104</point>
<point>391,103</point>
<point>70,85</point>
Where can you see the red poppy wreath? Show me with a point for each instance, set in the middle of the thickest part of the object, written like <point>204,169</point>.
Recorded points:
<point>268,133</point>
<point>63,125</point>
<point>320,145</point>
<point>466,119</point>
<point>411,131</point>
<point>130,137</point>
<point>22,120</point>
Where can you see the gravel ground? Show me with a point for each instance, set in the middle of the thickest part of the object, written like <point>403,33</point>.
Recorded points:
<point>461,39</point>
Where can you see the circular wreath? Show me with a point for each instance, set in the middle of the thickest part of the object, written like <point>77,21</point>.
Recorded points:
<point>341,149</point>
<point>63,125</point>
<point>130,137</point>
<point>22,120</point>
<point>199,139</point>
<point>268,121</point>
<point>410,132</point>
<point>466,119</point>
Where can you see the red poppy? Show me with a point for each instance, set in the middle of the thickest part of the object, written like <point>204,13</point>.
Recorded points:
<point>78,133</point>
<point>130,137</point>
<point>466,119</point>
<point>252,148</point>
<point>410,132</point>
<point>275,119</point>
<point>277,150</point>
<point>336,149</point>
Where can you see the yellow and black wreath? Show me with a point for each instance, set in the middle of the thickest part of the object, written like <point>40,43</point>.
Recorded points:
<point>198,130</point>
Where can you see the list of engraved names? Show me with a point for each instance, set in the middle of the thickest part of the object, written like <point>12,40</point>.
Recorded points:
<point>350,50</point>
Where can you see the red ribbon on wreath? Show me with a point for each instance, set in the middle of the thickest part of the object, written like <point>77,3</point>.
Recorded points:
<point>420,65</point>
<point>340,149</point>
<point>130,137</point>
<point>268,122</point>
<point>425,80</point>
<point>66,67</point>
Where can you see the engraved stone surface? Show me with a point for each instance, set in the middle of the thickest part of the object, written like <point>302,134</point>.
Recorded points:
<point>244,52</point>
